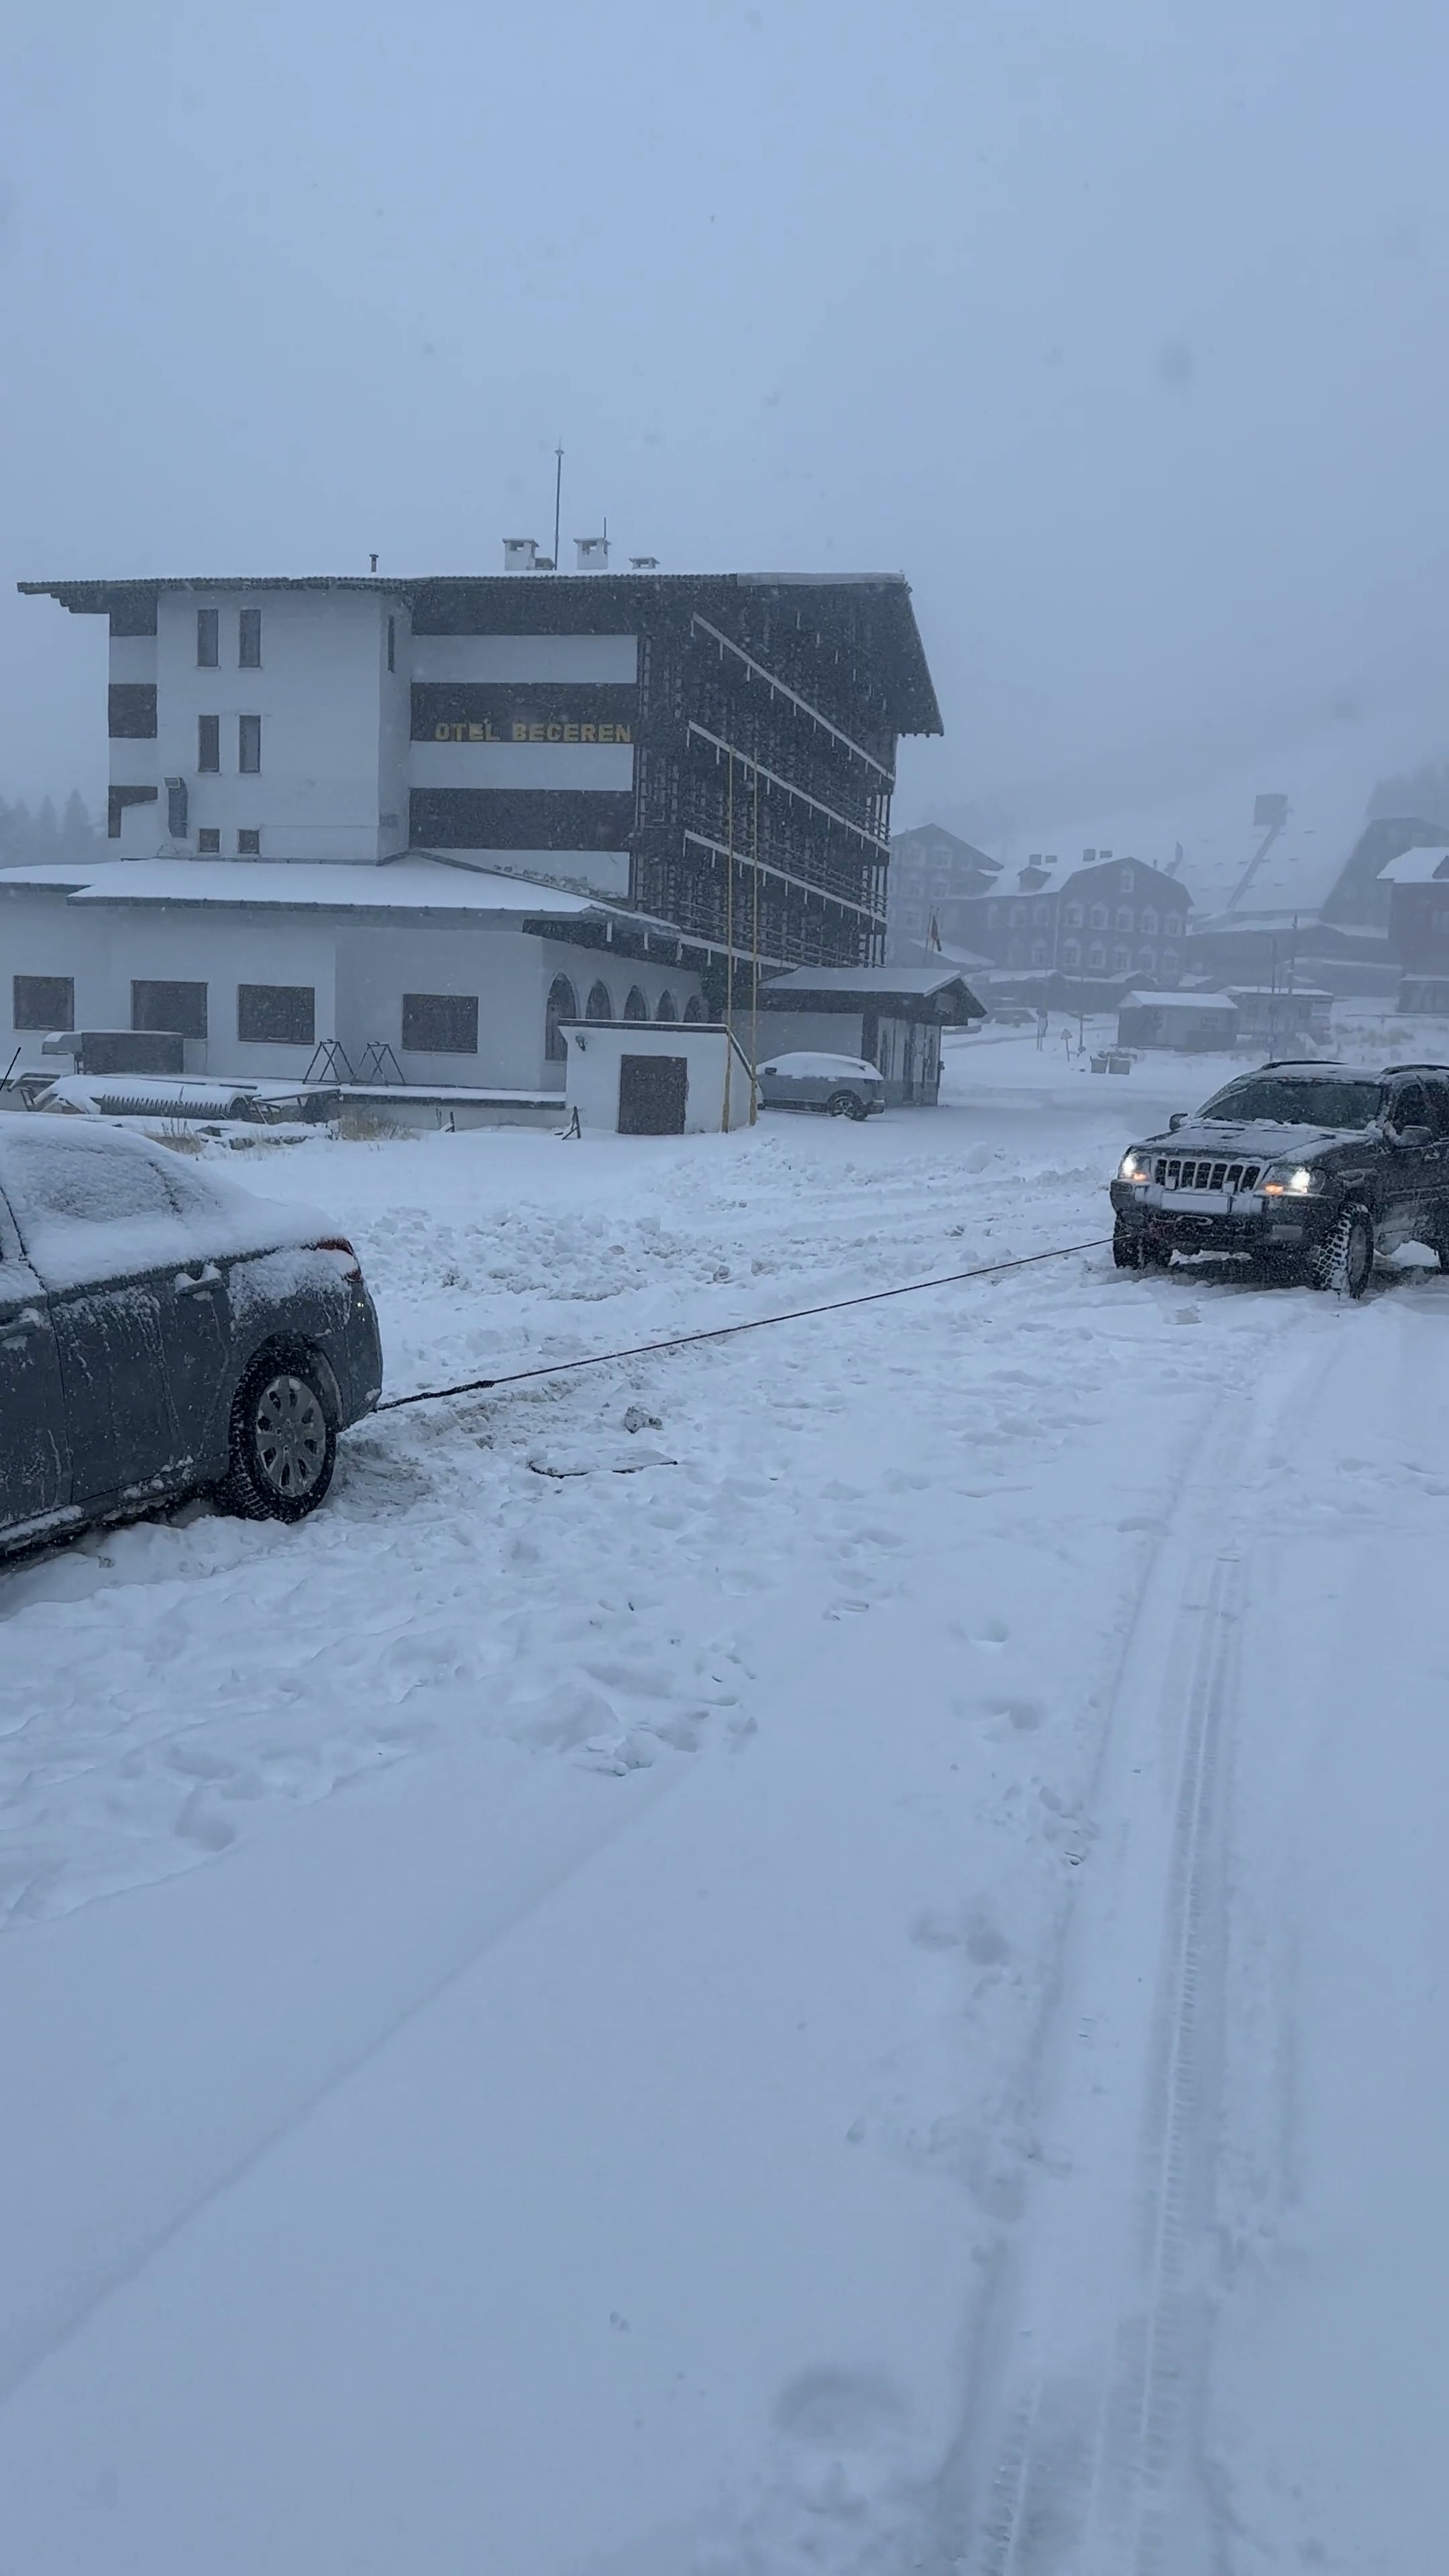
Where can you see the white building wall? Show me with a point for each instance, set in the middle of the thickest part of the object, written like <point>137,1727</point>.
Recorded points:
<point>320,695</point>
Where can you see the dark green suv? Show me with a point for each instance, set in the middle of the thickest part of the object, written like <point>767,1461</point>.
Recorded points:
<point>1304,1170</point>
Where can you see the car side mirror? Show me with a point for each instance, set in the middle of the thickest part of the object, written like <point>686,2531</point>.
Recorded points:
<point>1178,1119</point>
<point>1415,1135</point>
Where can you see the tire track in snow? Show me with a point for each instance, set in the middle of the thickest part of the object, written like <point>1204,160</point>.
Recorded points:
<point>1080,2452</point>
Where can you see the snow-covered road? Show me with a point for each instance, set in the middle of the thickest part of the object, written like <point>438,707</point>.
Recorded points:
<point>873,1997</point>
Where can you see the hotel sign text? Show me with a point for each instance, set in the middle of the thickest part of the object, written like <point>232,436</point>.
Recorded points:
<point>559,732</point>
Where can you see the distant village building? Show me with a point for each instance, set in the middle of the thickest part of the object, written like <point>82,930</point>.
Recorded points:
<point>1417,883</point>
<point>1086,931</point>
<point>428,821</point>
<point>932,874</point>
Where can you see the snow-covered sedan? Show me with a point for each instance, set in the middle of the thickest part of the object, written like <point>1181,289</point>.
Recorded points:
<point>165,1331</point>
<point>844,1086</point>
<point>1306,1169</point>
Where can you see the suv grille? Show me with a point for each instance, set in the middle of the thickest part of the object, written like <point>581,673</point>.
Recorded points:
<point>1172,1174</point>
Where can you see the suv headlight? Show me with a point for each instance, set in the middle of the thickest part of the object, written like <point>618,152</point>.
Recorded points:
<point>1134,1166</point>
<point>1292,1181</point>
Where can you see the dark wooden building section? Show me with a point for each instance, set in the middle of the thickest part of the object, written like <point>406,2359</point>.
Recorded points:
<point>764,726</point>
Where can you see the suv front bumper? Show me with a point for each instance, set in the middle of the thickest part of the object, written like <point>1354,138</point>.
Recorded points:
<point>1219,1220</point>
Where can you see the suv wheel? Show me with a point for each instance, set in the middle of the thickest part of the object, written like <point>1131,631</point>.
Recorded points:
<point>846,1104</point>
<point>1344,1261</point>
<point>1128,1246</point>
<point>283,1441</point>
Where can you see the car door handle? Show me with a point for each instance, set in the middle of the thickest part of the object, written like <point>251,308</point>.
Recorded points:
<point>187,1282</point>
<point>16,1327</point>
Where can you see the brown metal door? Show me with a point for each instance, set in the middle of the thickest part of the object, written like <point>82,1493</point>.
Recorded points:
<point>653,1090</point>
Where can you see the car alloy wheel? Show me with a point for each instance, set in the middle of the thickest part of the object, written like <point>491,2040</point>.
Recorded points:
<point>284,1442</point>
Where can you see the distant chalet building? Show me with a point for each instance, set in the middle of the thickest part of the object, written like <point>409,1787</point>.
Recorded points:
<point>715,750</point>
<point>1103,922</point>
<point>419,826</point>
<point>932,874</point>
<point>1418,897</point>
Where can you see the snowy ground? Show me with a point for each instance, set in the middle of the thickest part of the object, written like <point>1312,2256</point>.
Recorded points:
<point>870,1998</point>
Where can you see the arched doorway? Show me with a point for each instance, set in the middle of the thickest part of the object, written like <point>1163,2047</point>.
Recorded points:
<point>562,1005</point>
<point>599,1006</point>
<point>694,1008</point>
<point>664,1008</point>
<point>636,1008</point>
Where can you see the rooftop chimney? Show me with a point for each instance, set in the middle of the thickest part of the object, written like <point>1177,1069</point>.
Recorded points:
<point>519,554</point>
<point>643,563</point>
<point>593,554</point>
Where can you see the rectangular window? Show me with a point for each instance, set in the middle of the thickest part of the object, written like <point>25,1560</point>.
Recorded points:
<point>249,845</point>
<point>249,639</point>
<point>208,638</point>
<point>179,1008</point>
<point>131,711</point>
<point>248,744</point>
<point>392,643</point>
<point>44,1002</point>
<point>440,1023</point>
<point>208,843</point>
<point>208,742</point>
<point>276,1014</point>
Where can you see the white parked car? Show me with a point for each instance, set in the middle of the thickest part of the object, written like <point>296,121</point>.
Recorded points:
<point>844,1086</point>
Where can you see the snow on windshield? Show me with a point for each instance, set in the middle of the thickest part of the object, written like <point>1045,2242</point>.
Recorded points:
<point>108,1205</point>
<point>1278,1103</point>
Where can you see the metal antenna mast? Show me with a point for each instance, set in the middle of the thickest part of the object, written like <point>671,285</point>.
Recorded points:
<point>557,502</point>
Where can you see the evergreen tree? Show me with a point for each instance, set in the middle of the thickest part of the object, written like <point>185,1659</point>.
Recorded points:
<point>77,834</point>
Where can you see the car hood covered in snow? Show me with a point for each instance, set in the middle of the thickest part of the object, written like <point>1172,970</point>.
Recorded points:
<point>1263,1138</point>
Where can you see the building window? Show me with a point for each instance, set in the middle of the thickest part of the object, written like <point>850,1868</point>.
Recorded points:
<point>248,744</point>
<point>1124,916</point>
<point>277,1015</point>
<point>43,1002</point>
<point>636,1008</point>
<point>1096,957</point>
<point>249,845</point>
<point>1172,925</point>
<point>664,1008</point>
<point>1040,913</point>
<point>561,1006</point>
<point>1125,881</point>
<point>599,1006</point>
<point>249,639</point>
<point>440,1023</point>
<point>1018,915</point>
<point>208,843</point>
<point>1038,952</point>
<point>1147,923</point>
<point>1071,954</point>
<point>1073,916</point>
<point>1099,916</point>
<point>1147,960</point>
<point>177,1009</point>
<point>208,742</point>
<point>1122,961</point>
<point>392,643</point>
<point>208,638</point>
<point>694,1008</point>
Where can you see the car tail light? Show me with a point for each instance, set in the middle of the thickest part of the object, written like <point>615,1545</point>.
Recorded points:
<point>347,1261</point>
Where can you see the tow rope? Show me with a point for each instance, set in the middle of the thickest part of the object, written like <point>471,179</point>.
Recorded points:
<point>723,1332</point>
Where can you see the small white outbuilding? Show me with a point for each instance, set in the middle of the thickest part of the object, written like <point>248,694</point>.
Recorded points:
<point>628,1078</point>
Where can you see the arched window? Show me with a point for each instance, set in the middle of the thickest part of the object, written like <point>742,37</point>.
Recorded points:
<point>636,1008</point>
<point>1071,954</point>
<point>1147,957</point>
<point>694,1008</point>
<point>1097,956</point>
<point>562,1005</point>
<point>599,1006</point>
<point>664,1008</point>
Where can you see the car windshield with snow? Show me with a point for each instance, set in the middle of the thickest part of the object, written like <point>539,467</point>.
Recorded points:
<point>1303,1171</point>
<point>164,1331</point>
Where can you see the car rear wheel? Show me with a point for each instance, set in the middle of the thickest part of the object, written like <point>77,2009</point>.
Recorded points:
<point>283,1442</point>
<point>846,1104</point>
<point>1344,1261</point>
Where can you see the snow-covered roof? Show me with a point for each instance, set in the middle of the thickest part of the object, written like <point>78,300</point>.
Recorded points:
<point>871,981</point>
<point>1415,867</point>
<point>405,885</point>
<point>1178,1002</point>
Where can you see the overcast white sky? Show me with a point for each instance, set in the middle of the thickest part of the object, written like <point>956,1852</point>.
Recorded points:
<point>1117,325</point>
